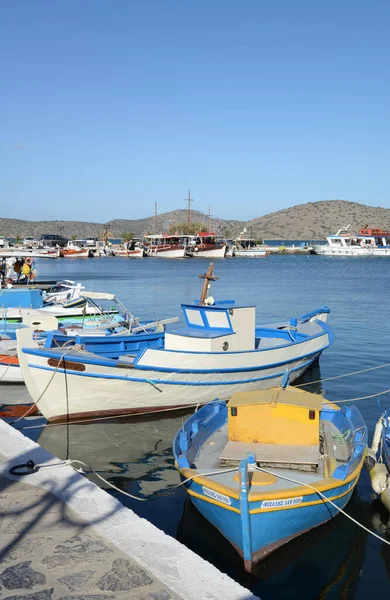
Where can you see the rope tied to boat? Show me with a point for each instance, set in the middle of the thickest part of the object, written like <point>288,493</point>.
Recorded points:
<point>324,498</point>
<point>35,404</point>
<point>343,375</point>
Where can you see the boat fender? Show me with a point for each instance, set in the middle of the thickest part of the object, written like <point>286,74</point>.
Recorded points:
<point>385,498</point>
<point>196,249</point>
<point>377,435</point>
<point>370,459</point>
<point>378,476</point>
<point>26,269</point>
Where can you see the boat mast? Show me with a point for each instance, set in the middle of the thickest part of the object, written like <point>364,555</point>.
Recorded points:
<point>155,218</point>
<point>189,200</point>
<point>208,277</point>
<point>210,215</point>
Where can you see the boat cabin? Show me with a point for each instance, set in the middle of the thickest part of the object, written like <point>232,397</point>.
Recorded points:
<point>280,427</point>
<point>204,238</point>
<point>219,327</point>
<point>246,243</point>
<point>52,241</point>
<point>366,238</point>
<point>164,239</point>
<point>13,298</point>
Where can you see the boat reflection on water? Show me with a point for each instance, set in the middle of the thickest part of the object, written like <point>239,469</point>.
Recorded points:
<point>324,563</point>
<point>133,453</point>
<point>311,379</point>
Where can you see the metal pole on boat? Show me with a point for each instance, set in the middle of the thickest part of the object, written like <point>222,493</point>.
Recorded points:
<point>244,509</point>
<point>208,278</point>
<point>189,200</point>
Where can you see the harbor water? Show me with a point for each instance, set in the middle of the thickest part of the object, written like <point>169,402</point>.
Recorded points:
<point>337,560</point>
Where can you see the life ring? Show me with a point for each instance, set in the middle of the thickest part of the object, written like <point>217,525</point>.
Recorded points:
<point>28,261</point>
<point>196,249</point>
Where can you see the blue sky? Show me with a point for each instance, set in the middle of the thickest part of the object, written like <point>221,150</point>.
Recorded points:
<point>108,106</point>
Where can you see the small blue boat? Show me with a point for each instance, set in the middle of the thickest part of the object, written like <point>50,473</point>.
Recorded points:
<point>270,465</point>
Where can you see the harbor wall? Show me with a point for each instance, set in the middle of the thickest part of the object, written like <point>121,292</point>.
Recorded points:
<point>185,573</point>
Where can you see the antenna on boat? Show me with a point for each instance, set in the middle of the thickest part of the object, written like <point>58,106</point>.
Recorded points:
<point>208,278</point>
<point>210,215</point>
<point>155,218</point>
<point>189,200</point>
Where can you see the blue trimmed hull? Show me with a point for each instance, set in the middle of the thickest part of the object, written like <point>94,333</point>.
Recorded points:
<point>270,530</point>
<point>255,521</point>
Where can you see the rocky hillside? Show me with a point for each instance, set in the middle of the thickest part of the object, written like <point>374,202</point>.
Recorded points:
<point>311,221</point>
<point>316,220</point>
<point>15,227</point>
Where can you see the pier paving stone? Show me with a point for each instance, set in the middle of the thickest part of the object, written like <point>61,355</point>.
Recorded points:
<point>48,553</point>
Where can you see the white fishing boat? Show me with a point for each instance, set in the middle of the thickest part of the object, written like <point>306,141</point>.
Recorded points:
<point>205,245</point>
<point>64,302</point>
<point>218,352</point>
<point>130,249</point>
<point>126,331</point>
<point>30,242</point>
<point>165,245</point>
<point>74,250</point>
<point>248,247</point>
<point>368,242</point>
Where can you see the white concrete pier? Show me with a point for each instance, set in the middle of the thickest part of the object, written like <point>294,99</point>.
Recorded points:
<point>62,534</point>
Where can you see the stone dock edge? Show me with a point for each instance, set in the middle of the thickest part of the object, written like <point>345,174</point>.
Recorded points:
<point>180,569</point>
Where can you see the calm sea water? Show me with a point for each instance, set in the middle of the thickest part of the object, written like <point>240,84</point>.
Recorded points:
<point>337,560</point>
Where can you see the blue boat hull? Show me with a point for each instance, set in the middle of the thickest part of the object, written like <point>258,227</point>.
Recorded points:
<point>270,530</point>
<point>254,518</point>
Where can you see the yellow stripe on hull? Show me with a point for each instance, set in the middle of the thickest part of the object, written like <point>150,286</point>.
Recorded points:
<point>324,485</point>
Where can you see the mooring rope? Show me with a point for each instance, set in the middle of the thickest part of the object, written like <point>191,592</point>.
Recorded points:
<point>109,417</point>
<point>325,499</point>
<point>343,375</point>
<point>35,404</point>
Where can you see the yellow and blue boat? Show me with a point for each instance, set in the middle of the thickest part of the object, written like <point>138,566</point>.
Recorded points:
<point>270,465</point>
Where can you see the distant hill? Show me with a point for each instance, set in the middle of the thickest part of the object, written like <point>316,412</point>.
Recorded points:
<point>311,221</point>
<point>316,220</point>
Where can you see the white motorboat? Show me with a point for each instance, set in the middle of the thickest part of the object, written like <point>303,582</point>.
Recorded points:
<point>205,245</point>
<point>368,242</point>
<point>165,245</point>
<point>219,351</point>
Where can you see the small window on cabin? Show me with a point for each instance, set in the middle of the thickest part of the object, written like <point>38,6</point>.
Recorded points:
<point>194,317</point>
<point>217,319</point>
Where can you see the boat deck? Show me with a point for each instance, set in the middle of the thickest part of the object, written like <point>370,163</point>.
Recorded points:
<point>208,460</point>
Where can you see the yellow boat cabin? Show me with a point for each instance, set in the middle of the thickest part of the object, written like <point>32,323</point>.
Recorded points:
<point>282,428</point>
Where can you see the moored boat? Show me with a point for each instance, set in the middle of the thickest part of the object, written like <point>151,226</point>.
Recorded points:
<point>218,352</point>
<point>247,247</point>
<point>368,242</point>
<point>205,245</point>
<point>270,465</point>
<point>165,245</point>
<point>74,250</point>
<point>124,332</point>
<point>130,249</point>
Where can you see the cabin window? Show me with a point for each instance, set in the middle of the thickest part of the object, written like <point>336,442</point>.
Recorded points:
<point>217,319</point>
<point>194,317</point>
